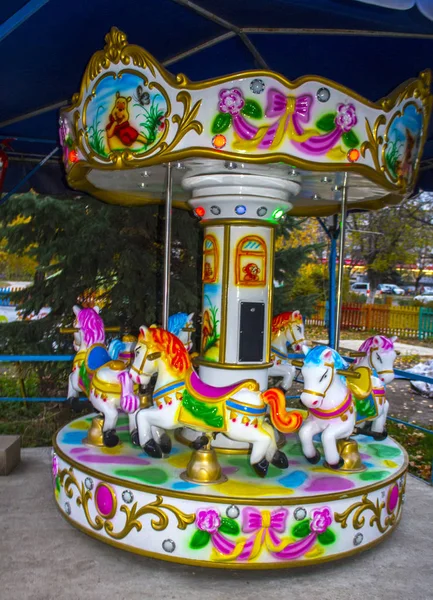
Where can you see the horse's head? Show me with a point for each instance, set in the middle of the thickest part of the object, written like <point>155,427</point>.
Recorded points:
<point>157,348</point>
<point>145,361</point>
<point>379,354</point>
<point>319,369</point>
<point>291,326</point>
<point>89,325</point>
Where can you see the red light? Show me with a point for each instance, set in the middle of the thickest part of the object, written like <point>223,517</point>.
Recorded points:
<point>200,211</point>
<point>73,156</point>
<point>219,141</point>
<point>353,155</point>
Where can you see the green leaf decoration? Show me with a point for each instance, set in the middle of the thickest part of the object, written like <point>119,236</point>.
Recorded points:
<point>301,529</point>
<point>229,526</point>
<point>221,122</point>
<point>199,540</point>
<point>350,139</point>
<point>252,109</point>
<point>327,537</point>
<point>58,483</point>
<point>326,122</point>
<point>208,413</point>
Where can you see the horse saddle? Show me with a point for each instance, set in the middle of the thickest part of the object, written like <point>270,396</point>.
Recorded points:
<point>367,408</point>
<point>96,357</point>
<point>204,406</point>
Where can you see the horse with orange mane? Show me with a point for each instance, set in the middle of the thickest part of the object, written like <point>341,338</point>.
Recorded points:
<point>287,328</point>
<point>182,399</point>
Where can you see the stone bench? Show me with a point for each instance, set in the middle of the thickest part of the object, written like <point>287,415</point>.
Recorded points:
<point>10,449</point>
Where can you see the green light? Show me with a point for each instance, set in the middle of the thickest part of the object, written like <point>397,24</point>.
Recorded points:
<point>278,213</point>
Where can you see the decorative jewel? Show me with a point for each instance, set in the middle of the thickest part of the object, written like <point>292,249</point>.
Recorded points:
<point>278,213</point>
<point>73,156</point>
<point>230,165</point>
<point>392,499</point>
<point>168,546</point>
<point>300,514</point>
<point>326,179</point>
<point>240,209</point>
<point>315,197</point>
<point>55,464</point>
<point>262,211</point>
<point>358,539</point>
<point>257,86</point>
<point>105,500</point>
<point>67,508</point>
<point>323,94</point>
<point>219,141</point>
<point>200,211</point>
<point>232,512</point>
<point>353,155</point>
<point>88,482</point>
<point>127,496</point>
<point>215,210</point>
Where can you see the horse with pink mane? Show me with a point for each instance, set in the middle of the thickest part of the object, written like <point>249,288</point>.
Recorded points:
<point>378,354</point>
<point>91,325</point>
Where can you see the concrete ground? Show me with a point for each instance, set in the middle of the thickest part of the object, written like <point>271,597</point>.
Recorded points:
<point>44,558</point>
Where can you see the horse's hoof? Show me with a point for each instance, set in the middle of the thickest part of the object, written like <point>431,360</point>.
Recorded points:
<point>379,436</point>
<point>314,459</point>
<point>110,438</point>
<point>261,468</point>
<point>280,460</point>
<point>200,442</point>
<point>165,443</point>
<point>336,466</point>
<point>152,449</point>
<point>134,438</point>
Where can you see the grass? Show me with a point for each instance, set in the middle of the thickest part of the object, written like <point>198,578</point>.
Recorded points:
<point>153,117</point>
<point>96,135</point>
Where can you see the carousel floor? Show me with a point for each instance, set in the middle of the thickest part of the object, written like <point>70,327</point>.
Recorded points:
<point>304,514</point>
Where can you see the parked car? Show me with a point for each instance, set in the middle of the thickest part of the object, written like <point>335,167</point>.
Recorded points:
<point>424,298</point>
<point>361,288</point>
<point>390,288</point>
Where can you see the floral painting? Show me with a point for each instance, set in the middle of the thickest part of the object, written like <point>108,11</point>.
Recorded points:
<point>210,332</point>
<point>125,114</point>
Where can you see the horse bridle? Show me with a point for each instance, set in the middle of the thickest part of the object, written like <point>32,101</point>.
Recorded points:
<point>322,394</point>
<point>152,356</point>
<point>370,362</point>
<point>295,341</point>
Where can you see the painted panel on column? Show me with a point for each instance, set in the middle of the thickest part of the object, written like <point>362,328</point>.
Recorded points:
<point>252,327</point>
<point>211,277</point>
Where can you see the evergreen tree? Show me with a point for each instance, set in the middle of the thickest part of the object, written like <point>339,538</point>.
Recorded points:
<point>83,244</point>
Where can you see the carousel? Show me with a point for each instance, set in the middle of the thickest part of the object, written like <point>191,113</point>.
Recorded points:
<point>210,467</point>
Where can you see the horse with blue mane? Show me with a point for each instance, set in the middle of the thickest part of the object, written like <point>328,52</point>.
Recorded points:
<point>328,398</point>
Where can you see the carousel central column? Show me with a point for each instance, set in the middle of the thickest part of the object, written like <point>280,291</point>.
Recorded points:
<point>239,206</point>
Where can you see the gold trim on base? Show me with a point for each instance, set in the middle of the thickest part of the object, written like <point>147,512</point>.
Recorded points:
<point>223,565</point>
<point>274,501</point>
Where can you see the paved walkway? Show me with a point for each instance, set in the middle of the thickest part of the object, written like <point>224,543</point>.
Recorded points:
<point>43,558</point>
<point>403,348</point>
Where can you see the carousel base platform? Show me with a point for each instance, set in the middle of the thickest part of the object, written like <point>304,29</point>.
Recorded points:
<point>298,516</point>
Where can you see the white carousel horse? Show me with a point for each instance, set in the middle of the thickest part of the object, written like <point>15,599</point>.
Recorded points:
<point>105,381</point>
<point>287,328</point>
<point>181,398</point>
<point>328,398</point>
<point>378,354</point>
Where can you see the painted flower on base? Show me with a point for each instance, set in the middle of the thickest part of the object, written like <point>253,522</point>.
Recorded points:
<point>208,520</point>
<point>346,117</point>
<point>231,101</point>
<point>321,519</point>
<point>55,465</point>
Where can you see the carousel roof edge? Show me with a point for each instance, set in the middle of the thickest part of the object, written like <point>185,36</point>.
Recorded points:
<point>131,112</point>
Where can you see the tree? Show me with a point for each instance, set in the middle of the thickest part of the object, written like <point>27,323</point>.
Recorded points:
<point>84,246</point>
<point>391,238</point>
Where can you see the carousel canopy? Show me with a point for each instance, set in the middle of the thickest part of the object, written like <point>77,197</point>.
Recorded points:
<point>369,46</point>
